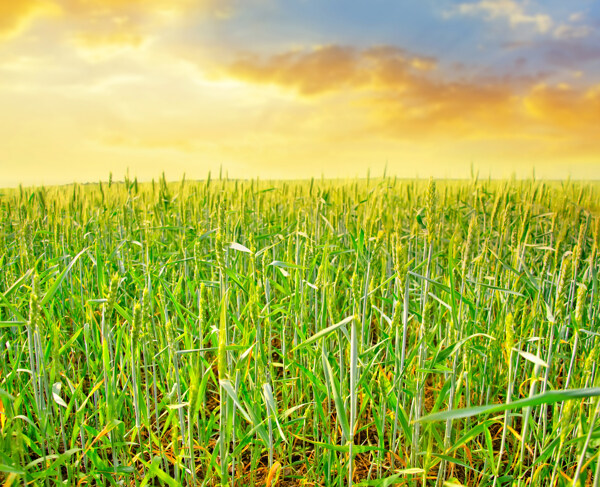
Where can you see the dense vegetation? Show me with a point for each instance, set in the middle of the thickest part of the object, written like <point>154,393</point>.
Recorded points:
<point>291,333</point>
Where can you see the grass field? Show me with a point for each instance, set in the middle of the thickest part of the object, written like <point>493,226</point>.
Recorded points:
<point>381,332</point>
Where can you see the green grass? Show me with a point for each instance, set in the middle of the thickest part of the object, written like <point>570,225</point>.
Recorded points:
<point>379,332</point>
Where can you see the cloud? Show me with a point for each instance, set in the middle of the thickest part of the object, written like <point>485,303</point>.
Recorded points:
<point>328,68</point>
<point>507,10</point>
<point>570,54</point>
<point>99,20</point>
<point>110,34</point>
<point>318,71</point>
<point>16,14</point>
<point>400,99</point>
<point>564,109</point>
<point>566,31</point>
<point>101,29</point>
<point>116,39</point>
<point>215,8</point>
<point>561,50</point>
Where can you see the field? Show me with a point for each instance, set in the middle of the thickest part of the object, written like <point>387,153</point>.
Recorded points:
<point>369,332</point>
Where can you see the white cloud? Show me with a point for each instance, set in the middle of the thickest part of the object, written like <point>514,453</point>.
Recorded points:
<point>565,31</point>
<point>507,10</point>
<point>576,17</point>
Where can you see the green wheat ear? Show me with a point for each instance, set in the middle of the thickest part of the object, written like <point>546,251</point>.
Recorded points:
<point>431,210</point>
<point>580,303</point>
<point>34,301</point>
<point>111,297</point>
<point>509,341</point>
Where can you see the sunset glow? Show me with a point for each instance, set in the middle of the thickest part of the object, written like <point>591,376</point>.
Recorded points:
<point>298,89</point>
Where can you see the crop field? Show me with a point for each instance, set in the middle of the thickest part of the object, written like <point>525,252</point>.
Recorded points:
<point>363,332</point>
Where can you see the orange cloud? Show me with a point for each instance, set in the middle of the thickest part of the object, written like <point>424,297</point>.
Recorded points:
<point>309,73</point>
<point>15,14</point>
<point>328,68</point>
<point>406,96</point>
<point>564,108</point>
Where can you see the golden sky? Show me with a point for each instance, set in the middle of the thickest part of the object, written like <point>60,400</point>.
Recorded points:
<point>298,88</point>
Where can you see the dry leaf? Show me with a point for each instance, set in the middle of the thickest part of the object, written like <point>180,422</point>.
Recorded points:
<point>273,476</point>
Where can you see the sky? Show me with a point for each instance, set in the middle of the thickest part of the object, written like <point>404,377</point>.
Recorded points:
<point>298,89</point>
